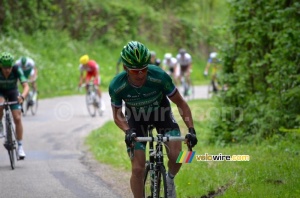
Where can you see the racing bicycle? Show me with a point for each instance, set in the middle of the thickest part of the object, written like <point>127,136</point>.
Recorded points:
<point>187,89</point>
<point>93,102</point>
<point>30,103</point>
<point>10,134</point>
<point>155,184</point>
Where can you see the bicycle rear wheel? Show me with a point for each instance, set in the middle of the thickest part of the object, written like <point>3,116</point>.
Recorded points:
<point>148,184</point>
<point>34,107</point>
<point>90,103</point>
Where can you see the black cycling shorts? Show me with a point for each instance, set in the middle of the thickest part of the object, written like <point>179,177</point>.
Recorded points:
<point>11,95</point>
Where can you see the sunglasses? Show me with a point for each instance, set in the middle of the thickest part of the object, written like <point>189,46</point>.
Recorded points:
<point>138,71</point>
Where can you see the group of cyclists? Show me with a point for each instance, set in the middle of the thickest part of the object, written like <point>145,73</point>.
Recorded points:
<point>22,71</point>
<point>146,86</point>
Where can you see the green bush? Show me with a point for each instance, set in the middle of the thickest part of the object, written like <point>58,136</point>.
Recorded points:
<point>261,68</point>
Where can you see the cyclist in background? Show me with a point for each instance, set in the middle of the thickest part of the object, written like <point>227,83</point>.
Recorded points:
<point>185,61</point>
<point>89,71</point>
<point>154,60</point>
<point>214,63</point>
<point>9,76</point>
<point>145,89</point>
<point>30,72</point>
<point>170,65</point>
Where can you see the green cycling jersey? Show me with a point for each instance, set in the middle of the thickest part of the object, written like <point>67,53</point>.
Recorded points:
<point>11,82</point>
<point>145,98</point>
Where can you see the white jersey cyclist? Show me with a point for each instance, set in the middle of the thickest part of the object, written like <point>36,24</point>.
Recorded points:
<point>170,63</point>
<point>27,65</point>
<point>184,59</point>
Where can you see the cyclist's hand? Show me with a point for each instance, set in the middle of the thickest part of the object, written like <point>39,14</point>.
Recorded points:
<point>191,137</point>
<point>129,136</point>
<point>21,99</point>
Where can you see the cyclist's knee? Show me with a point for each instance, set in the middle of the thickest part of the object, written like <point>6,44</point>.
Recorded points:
<point>138,171</point>
<point>175,149</point>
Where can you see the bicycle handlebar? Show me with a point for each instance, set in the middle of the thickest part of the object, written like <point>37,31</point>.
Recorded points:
<point>156,139</point>
<point>9,103</point>
<point>164,139</point>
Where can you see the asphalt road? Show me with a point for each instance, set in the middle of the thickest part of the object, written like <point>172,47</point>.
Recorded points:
<point>55,164</point>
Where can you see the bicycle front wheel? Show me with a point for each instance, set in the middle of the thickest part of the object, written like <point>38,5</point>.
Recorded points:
<point>161,183</point>
<point>90,97</point>
<point>10,145</point>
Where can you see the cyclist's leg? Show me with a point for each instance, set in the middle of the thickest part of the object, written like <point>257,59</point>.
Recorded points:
<point>188,76</point>
<point>33,78</point>
<point>16,113</point>
<point>97,82</point>
<point>88,78</point>
<point>214,83</point>
<point>139,159</point>
<point>1,116</point>
<point>137,173</point>
<point>167,125</point>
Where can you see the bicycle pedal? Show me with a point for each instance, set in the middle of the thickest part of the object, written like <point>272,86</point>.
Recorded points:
<point>9,146</point>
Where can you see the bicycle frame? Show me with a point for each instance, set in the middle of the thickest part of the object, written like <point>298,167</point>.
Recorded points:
<point>155,165</point>
<point>92,100</point>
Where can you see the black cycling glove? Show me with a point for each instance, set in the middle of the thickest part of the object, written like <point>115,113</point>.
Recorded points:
<point>191,137</point>
<point>130,134</point>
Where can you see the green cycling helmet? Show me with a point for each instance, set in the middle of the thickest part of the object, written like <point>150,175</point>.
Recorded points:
<point>23,60</point>
<point>135,55</point>
<point>6,59</point>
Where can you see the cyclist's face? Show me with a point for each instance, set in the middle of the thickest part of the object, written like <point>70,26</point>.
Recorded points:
<point>137,76</point>
<point>6,70</point>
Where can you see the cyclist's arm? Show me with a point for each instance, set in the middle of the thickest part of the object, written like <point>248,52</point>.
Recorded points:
<point>34,77</point>
<point>208,64</point>
<point>81,78</point>
<point>25,91</point>
<point>119,118</point>
<point>183,108</point>
<point>35,73</point>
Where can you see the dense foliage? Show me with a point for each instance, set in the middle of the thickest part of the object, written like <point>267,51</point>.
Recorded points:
<point>167,22</point>
<point>262,70</point>
<point>259,45</point>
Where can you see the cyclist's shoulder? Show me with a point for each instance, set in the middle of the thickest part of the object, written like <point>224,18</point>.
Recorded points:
<point>157,75</point>
<point>118,83</point>
<point>118,79</point>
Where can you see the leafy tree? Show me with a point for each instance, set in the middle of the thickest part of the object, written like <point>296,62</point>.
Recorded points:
<point>262,70</point>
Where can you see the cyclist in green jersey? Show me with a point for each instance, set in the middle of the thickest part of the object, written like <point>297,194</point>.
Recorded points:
<point>9,76</point>
<point>145,89</point>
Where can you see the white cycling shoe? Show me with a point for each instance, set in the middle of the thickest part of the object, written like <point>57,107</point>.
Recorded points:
<point>21,152</point>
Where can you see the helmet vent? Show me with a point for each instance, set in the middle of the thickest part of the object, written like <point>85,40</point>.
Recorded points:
<point>137,54</point>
